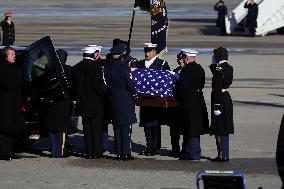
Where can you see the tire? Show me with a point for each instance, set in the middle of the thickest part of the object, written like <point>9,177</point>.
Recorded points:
<point>280,31</point>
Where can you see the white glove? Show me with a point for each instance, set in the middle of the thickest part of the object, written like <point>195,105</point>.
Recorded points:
<point>217,112</point>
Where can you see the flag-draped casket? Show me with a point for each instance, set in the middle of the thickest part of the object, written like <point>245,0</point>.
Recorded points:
<point>154,87</point>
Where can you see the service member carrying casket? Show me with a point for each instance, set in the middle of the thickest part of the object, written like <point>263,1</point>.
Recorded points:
<point>193,109</point>
<point>149,116</point>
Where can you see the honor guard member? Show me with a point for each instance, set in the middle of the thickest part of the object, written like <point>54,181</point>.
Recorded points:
<point>280,152</point>
<point>175,129</point>
<point>251,19</point>
<point>90,92</point>
<point>193,109</point>
<point>8,29</point>
<point>57,116</point>
<point>222,12</point>
<point>121,93</point>
<point>11,121</point>
<point>221,103</point>
<point>149,116</point>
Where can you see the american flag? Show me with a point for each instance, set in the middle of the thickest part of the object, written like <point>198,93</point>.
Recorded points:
<point>154,82</point>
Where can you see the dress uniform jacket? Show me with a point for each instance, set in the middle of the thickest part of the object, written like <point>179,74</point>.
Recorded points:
<point>251,19</point>
<point>121,91</point>
<point>89,88</point>
<point>8,33</point>
<point>222,125</point>
<point>151,116</point>
<point>220,22</point>
<point>10,95</point>
<point>192,104</point>
<point>57,117</point>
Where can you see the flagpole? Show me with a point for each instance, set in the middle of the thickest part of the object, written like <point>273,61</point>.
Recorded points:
<point>131,26</point>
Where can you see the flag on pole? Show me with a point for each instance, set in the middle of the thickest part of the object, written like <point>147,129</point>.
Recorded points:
<point>159,21</point>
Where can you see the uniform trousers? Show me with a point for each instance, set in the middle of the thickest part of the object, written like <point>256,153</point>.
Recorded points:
<point>152,138</point>
<point>192,148</point>
<point>93,135</point>
<point>122,137</point>
<point>57,140</point>
<point>105,136</point>
<point>222,143</point>
<point>175,137</point>
<point>6,145</point>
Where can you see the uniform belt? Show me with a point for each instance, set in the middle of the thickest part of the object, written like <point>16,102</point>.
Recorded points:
<point>224,90</point>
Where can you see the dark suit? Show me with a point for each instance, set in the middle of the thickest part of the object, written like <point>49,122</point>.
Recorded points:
<point>8,33</point>
<point>121,91</point>
<point>220,22</point>
<point>11,121</point>
<point>192,108</point>
<point>150,116</point>
<point>90,92</point>
<point>251,19</point>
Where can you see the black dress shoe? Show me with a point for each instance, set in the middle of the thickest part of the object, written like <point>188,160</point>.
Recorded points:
<point>6,158</point>
<point>119,157</point>
<point>128,157</point>
<point>143,152</point>
<point>220,159</point>
<point>14,156</point>
<point>174,154</point>
<point>190,159</point>
<point>150,154</point>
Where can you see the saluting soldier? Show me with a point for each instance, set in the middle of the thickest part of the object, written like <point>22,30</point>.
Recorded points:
<point>90,92</point>
<point>222,12</point>
<point>8,29</point>
<point>251,19</point>
<point>121,91</point>
<point>192,106</point>
<point>149,116</point>
<point>221,103</point>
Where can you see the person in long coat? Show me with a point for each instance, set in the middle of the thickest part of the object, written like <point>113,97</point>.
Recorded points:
<point>192,106</point>
<point>251,19</point>
<point>121,92</point>
<point>90,92</point>
<point>280,152</point>
<point>11,121</point>
<point>222,10</point>
<point>150,117</point>
<point>8,29</point>
<point>221,103</point>
<point>57,119</point>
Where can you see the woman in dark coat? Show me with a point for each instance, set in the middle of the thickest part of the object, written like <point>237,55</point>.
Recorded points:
<point>222,12</point>
<point>121,91</point>
<point>57,120</point>
<point>11,121</point>
<point>192,106</point>
<point>251,19</point>
<point>221,103</point>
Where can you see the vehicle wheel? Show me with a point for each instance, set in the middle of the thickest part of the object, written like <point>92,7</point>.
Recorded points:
<point>280,31</point>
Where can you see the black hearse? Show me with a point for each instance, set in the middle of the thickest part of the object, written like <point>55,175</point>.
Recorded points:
<point>39,88</point>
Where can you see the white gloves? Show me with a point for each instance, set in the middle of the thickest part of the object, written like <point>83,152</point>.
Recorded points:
<point>217,112</point>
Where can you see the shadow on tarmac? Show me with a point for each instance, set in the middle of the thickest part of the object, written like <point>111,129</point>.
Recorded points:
<point>260,103</point>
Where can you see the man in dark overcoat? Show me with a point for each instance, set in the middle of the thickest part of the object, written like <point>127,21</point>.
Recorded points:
<point>90,92</point>
<point>57,116</point>
<point>251,19</point>
<point>222,10</point>
<point>121,92</point>
<point>8,29</point>
<point>280,152</point>
<point>149,116</point>
<point>193,109</point>
<point>11,121</point>
<point>221,103</point>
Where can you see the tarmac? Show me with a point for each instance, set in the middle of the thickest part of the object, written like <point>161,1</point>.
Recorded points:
<point>257,93</point>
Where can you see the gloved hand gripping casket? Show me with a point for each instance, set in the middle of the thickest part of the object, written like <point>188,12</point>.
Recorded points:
<point>154,87</point>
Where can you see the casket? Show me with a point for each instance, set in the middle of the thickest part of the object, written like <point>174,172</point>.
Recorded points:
<point>154,87</point>
<point>155,101</point>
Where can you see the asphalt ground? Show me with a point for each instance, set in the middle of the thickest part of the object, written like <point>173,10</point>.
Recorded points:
<point>257,94</point>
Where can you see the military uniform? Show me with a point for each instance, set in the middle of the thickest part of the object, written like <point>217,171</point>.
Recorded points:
<point>121,91</point>
<point>221,103</point>
<point>150,117</point>
<point>251,19</point>
<point>8,31</point>
<point>280,152</point>
<point>222,12</point>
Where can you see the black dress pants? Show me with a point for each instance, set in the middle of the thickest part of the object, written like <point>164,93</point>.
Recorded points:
<point>122,137</point>
<point>93,135</point>
<point>6,145</point>
<point>151,134</point>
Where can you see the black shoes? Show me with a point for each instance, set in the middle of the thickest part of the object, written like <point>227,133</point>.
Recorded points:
<point>93,157</point>
<point>174,154</point>
<point>147,153</point>
<point>127,157</point>
<point>10,157</point>
<point>6,158</point>
<point>220,159</point>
